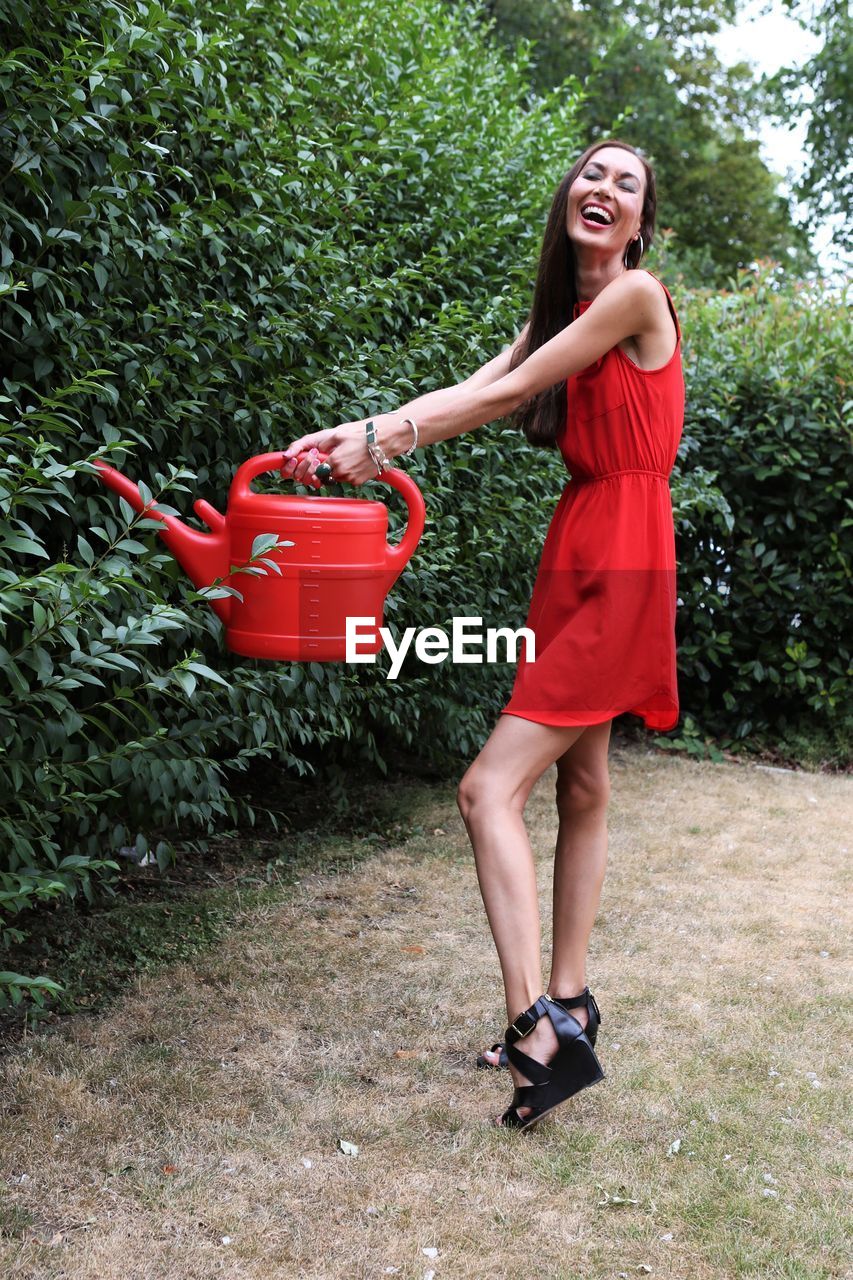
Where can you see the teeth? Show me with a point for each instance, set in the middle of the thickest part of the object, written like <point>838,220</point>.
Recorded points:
<point>597,208</point>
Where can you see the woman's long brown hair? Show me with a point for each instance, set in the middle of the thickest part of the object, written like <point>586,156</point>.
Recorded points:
<point>555,295</point>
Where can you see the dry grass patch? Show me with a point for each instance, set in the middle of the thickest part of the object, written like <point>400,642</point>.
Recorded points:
<point>194,1131</point>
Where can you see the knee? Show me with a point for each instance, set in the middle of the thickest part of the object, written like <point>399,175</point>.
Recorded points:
<point>480,792</point>
<point>469,793</point>
<point>582,792</point>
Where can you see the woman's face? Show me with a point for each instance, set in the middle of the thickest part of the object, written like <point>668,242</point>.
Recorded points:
<point>606,201</point>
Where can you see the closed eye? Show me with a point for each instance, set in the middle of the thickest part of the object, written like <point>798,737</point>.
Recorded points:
<point>627,186</point>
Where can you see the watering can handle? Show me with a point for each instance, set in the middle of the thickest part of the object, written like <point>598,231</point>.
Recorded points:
<point>397,555</point>
<point>249,471</point>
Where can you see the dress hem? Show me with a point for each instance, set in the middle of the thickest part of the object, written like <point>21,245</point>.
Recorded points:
<point>560,722</point>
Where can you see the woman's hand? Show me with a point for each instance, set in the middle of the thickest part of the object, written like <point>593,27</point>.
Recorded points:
<point>345,447</point>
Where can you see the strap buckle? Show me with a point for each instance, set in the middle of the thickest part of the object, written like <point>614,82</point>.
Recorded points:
<point>530,1020</point>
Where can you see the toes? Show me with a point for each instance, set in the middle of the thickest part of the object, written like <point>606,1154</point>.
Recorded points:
<point>521,1112</point>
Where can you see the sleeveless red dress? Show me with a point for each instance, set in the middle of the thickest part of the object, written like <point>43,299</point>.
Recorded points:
<point>604,600</point>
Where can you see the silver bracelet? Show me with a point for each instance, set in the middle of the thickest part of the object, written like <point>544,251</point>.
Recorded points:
<point>411,449</point>
<point>377,456</point>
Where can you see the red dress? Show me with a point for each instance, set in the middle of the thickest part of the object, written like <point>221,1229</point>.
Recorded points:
<point>603,604</point>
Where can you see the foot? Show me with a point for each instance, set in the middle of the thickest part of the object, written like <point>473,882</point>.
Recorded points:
<point>541,1045</point>
<point>492,1056</point>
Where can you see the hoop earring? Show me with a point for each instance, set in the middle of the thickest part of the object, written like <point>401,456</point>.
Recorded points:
<point>627,250</point>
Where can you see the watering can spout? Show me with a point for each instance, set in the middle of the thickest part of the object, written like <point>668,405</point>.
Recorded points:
<point>203,556</point>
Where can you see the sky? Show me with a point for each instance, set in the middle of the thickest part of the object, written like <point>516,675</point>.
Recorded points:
<point>768,42</point>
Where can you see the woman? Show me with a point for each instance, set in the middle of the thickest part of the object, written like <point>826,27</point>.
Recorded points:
<point>596,371</point>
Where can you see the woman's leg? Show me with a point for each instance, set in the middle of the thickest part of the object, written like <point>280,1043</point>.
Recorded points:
<point>492,796</point>
<point>583,792</point>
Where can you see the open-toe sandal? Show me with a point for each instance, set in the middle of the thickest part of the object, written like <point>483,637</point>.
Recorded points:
<point>573,1067</point>
<point>586,999</point>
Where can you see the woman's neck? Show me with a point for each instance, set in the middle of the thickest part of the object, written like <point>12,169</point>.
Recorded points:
<point>592,277</point>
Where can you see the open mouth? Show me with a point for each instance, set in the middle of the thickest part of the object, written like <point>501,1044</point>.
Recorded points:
<point>594,215</point>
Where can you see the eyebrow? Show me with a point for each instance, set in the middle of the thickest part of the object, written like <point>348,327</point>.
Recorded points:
<point>626,173</point>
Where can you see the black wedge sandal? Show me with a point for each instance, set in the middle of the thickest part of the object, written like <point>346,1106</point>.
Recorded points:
<point>586,998</point>
<point>573,1067</point>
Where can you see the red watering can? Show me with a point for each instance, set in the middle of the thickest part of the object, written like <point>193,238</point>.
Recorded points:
<point>340,564</point>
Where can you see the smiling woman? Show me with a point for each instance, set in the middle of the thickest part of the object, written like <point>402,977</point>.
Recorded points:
<point>577,262</point>
<point>596,372</point>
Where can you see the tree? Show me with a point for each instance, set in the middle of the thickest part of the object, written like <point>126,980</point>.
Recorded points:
<point>695,119</point>
<point>820,88</point>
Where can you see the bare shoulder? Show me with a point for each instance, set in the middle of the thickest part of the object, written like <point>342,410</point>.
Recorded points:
<point>654,336</point>
<point>638,288</point>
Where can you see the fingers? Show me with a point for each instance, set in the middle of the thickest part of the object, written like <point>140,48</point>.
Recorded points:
<point>303,468</point>
<point>300,467</point>
<point>302,456</point>
<point>349,465</point>
<point>304,443</point>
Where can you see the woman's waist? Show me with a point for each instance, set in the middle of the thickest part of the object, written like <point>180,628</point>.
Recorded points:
<point>579,476</point>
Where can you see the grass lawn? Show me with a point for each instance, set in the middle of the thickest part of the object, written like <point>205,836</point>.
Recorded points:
<point>194,1129</point>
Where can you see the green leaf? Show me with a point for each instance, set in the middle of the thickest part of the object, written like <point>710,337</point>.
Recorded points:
<point>263,542</point>
<point>86,552</point>
<point>187,681</point>
<point>201,670</point>
<point>15,542</point>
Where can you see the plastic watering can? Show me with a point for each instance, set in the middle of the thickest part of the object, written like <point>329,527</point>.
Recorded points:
<point>341,564</point>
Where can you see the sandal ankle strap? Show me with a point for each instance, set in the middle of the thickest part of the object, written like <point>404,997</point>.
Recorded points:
<point>527,1020</point>
<point>524,1023</point>
<point>583,998</point>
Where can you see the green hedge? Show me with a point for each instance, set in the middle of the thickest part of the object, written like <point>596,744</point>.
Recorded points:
<point>223,228</point>
<point>763,509</point>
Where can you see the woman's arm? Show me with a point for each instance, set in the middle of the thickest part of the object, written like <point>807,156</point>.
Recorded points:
<point>496,368</point>
<point>436,401</point>
<point>624,308</point>
<point>432,403</point>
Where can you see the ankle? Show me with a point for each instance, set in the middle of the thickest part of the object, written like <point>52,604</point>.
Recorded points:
<point>574,990</point>
<point>577,1003</point>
